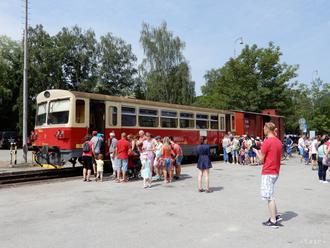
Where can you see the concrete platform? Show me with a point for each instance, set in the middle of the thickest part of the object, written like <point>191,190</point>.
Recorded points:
<point>73,213</point>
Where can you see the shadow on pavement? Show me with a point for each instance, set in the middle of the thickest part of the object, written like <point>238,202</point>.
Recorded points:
<point>214,189</point>
<point>288,215</point>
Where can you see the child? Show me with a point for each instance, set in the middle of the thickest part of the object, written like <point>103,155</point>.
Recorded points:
<point>99,167</point>
<point>146,170</point>
<point>242,156</point>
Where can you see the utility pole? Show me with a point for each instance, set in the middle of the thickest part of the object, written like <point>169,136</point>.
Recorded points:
<point>25,85</point>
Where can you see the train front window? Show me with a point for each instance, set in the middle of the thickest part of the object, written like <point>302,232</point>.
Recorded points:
<point>128,116</point>
<point>58,112</point>
<point>41,114</point>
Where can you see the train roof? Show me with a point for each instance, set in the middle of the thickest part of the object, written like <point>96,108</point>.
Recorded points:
<point>95,96</point>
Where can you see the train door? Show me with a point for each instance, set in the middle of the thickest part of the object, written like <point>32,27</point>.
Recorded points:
<point>112,117</point>
<point>97,116</point>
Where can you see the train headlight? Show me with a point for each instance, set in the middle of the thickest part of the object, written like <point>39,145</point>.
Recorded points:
<point>47,94</point>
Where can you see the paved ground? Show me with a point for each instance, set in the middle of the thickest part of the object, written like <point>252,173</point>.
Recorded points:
<point>5,158</point>
<point>71,213</point>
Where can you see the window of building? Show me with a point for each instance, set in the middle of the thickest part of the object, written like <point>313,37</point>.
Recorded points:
<point>113,115</point>
<point>128,116</point>
<point>169,119</point>
<point>222,123</point>
<point>58,112</point>
<point>41,114</point>
<point>80,111</point>
<point>214,122</point>
<point>202,121</point>
<point>187,120</point>
<point>233,123</point>
<point>148,117</point>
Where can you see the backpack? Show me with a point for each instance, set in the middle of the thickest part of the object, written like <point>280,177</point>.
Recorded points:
<point>86,147</point>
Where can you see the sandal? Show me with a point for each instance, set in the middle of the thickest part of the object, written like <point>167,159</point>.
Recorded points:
<point>201,190</point>
<point>209,191</point>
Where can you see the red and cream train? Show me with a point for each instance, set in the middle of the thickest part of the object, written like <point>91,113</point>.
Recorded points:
<point>65,117</point>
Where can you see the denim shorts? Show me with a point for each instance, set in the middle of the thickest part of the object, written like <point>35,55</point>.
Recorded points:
<point>178,161</point>
<point>167,163</point>
<point>122,164</point>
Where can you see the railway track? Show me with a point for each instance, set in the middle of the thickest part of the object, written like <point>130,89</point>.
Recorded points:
<point>38,175</point>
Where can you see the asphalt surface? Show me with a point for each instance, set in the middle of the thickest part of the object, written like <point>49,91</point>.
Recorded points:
<point>72,213</point>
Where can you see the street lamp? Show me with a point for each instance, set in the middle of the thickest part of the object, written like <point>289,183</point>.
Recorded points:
<point>240,40</point>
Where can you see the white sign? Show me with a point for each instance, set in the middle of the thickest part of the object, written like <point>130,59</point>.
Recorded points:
<point>312,134</point>
<point>302,121</point>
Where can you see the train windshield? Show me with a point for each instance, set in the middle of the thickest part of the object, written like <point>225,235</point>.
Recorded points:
<point>41,114</point>
<point>58,111</point>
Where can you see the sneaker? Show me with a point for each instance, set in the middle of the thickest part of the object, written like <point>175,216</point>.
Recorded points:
<point>320,181</point>
<point>278,218</point>
<point>271,224</point>
<point>325,182</point>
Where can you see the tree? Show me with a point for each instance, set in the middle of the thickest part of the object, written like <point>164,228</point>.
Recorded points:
<point>10,80</point>
<point>77,51</point>
<point>116,66</point>
<point>167,72</point>
<point>253,81</point>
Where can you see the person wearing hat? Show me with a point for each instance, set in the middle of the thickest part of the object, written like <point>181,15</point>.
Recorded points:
<point>112,151</point>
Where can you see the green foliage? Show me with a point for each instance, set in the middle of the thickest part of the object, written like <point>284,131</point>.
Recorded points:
<point>253,81</point>
<point>165,70</point>
<point>72,59</point>
<point>10,80</point>
<point>117,66</point>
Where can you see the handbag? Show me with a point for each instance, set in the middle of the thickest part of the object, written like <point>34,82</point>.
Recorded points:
<point>326,158</point>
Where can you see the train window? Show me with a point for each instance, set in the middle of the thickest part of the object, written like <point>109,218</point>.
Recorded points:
<point>128,116</point>
<point>41,114</point>
<point>187,120</point>
<point>187,115</point>
<point>214,122</point>
<point>148,117</point>
<point>222,123</point>
<point>113,111</point>
<point>169,122</point>
<point>58,112</point>
<point>169,113</point>
<point>80,111</point>
<point>169,119</point>
<point>202,121</point>
<point>233,124</point>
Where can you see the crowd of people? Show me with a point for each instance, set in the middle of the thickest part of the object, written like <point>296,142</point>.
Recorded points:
<point>156,158</point>
<point>239,149</point>
<point>315,150</point>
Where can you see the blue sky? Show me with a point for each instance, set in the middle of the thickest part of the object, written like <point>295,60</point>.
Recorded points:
<point>209,27</point>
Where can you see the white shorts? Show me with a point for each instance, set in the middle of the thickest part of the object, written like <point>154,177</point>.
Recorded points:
<point>267,186</point>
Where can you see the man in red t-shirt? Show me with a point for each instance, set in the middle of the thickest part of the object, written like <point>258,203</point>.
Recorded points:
<point>123,150</point>
<point>270,154</point>
<point>178,158</point>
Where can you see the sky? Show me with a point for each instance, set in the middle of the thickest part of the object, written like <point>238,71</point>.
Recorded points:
<point>209,28</point>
